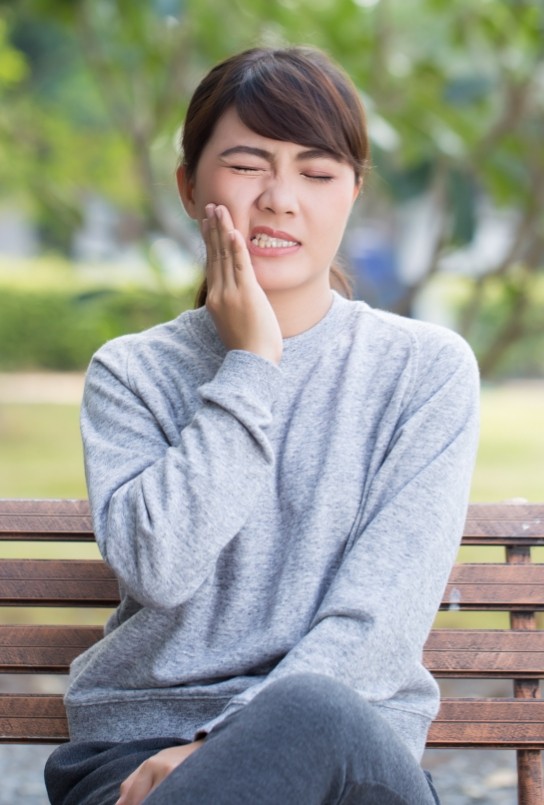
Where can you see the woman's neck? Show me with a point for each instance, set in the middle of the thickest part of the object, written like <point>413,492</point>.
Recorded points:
<point>300,309</point>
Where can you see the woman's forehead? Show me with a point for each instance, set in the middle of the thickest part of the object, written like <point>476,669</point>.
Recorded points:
<point>231,135</point>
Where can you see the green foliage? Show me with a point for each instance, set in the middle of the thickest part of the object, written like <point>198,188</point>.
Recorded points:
<point>440,74</point>
<point>96,91</point>
<point>61,328</point>
<point>12,63</point>
<point>57,143</point>
<point>501,305</point>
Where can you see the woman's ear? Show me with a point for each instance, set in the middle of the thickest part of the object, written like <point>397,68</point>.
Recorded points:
<point>186,191</point>
<point>358,188</point>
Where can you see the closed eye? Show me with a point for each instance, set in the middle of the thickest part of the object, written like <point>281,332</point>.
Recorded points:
<point>253,169</point>
<point>246,169</point>
<point>318,177</point>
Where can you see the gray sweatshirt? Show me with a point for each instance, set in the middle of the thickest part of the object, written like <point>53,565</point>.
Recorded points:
<point>265,521</point>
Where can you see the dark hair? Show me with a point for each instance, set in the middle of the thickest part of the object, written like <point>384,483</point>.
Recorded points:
<point>292,94</point>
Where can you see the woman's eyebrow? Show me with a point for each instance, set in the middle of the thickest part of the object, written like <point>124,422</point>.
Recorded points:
<point>317,153</point>
<point>307,153</point>
<point>247,149</point>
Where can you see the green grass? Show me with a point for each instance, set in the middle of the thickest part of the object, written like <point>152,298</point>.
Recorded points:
<point>40,451</point>
<point>511,454</point>
<point>41,457</point>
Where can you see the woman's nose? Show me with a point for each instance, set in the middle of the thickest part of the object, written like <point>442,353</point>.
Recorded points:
<point>278,196</point>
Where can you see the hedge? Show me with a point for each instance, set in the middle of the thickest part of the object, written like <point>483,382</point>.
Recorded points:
<point>60,329</point>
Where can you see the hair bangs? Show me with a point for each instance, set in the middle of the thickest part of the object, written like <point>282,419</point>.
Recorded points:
<point>277,101</point>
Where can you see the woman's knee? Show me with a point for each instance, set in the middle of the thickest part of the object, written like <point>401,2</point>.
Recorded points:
<point>316,704</point>
<point>343,732</point>
<point>327,714</point>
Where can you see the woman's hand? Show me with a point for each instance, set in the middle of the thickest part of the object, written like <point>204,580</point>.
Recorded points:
<point>242,314</point>
<point>152,772</point>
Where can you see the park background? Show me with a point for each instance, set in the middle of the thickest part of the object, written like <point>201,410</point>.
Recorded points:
<point>94,243</point>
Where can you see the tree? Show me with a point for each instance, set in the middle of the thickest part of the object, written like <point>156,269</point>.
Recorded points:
<point>454,96</point>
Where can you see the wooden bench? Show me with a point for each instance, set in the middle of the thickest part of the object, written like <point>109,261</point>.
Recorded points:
<point>514,585</point>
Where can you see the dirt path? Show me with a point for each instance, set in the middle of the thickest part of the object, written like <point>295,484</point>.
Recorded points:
<point>41,387</point>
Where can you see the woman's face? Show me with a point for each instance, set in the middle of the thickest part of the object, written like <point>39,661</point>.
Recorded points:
<point>291,203</point>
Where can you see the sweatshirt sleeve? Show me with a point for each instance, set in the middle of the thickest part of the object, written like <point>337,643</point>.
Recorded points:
<point>162,513</point>
<point>371,626</point>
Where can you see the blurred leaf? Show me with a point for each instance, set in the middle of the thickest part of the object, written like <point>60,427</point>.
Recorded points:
<point>98,88</point>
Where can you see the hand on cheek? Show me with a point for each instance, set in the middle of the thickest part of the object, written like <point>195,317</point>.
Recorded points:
<point>238,305</point>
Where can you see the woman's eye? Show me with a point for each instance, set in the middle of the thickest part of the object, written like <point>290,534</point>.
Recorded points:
<point>319,177</point>
<point>245,169</point>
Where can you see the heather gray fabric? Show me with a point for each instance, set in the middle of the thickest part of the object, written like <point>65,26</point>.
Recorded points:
<point>266,521</point>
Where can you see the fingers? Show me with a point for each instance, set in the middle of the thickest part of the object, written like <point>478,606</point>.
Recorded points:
<point>241,312</point>
<point>243,269</point>
<point>152,772</point>
<point>136,787</point>
<point>226,250</point>
<point>219,264</point>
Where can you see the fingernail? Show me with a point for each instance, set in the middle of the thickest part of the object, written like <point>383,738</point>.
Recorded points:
<point>209,210</point>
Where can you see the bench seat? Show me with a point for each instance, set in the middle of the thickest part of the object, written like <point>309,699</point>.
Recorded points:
<point>514,585</point>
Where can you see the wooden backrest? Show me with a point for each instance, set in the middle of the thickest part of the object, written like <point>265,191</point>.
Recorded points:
<point>513,584</point>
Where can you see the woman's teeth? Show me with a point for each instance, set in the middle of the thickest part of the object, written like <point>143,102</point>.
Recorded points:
<point>266,242</point>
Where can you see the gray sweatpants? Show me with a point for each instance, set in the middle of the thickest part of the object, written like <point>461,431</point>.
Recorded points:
<point>304,740</point>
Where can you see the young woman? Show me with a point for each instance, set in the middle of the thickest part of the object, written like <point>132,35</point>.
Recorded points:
<point>279,480</point>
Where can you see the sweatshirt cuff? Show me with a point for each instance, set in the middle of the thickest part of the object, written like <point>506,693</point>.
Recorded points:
<point>244,374</point>
<point>211,725</point>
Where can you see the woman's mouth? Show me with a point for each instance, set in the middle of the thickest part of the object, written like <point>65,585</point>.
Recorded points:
<point>269,242</point>
<point>266,242</point>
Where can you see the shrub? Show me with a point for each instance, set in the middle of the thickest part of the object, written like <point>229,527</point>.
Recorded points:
<point>55,328</point>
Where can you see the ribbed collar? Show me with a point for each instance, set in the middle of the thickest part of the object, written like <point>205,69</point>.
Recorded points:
<point>201,325</point>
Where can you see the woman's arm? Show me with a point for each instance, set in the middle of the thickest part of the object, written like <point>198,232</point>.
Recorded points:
<point>163,513</point>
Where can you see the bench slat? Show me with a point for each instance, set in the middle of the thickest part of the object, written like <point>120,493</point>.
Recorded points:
<point>493,723</point>
<point>489,654</point>
<point>52,582</point>
<point>16,636</point>
<point>495,523</point>
<point>47,582</point>
<point>43,649</point>
<point>489,573</point>
<point>45,520</point>
<point>54,569</point>
<point>486,523</point>
<point>504,723</point>
<point>448,652</point>
<point>495,586</point>
<point>34,718</point>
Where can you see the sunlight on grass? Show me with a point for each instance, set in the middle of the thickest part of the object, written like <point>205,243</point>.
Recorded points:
<point>55,616</point>
<point>40,451</point>
<point>511,456</point>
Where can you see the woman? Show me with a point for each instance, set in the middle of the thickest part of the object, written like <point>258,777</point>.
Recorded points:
<point>279,480</point>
